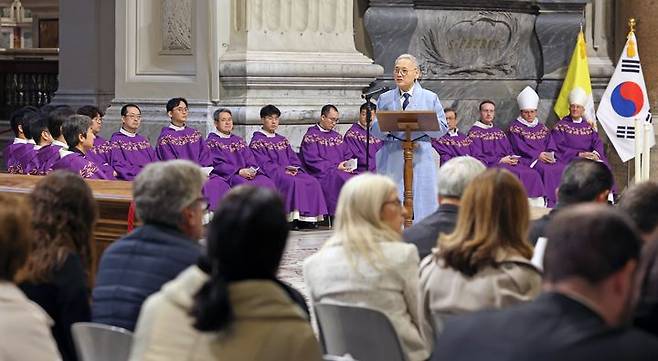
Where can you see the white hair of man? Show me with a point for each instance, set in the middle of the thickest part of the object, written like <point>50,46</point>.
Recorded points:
<point>456,174</point>
<point>408,57</point>
<point>163,189</point>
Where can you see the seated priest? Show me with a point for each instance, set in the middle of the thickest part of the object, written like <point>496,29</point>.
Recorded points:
<point>80,139</point>
<point>326,157</point>
<point>453,144</point>
<point>20,144</point>
<point>231,157</point>
<point>355,140</point>
<point>102,149</point>
<point>41,136</point>
<point>492,147</point>
<point>130,151</point>
<point>24,159</point>
<point>302,194</point>
<point>532,140</point>
<point>49,153</point>
<point>177,141</point>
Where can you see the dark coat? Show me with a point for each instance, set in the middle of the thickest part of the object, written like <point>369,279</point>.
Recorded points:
<point>553,327</point>
<point>425,233</point>
<point>136,266</point>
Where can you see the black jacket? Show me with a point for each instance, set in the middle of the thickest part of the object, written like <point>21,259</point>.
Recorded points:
<point>425,233</point>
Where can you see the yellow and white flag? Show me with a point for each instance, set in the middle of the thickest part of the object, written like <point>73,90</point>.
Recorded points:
<point>624,100</point>
<point>577,76</point>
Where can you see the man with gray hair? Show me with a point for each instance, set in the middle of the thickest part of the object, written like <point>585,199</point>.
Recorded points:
<point>169,202</point>
<point>454,176</point>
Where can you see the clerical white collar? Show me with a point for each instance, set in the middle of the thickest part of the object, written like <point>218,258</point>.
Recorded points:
<point>220,134</point>
<point>453,132</point>
<point>479,124</point>
<point>580,120</point>
<point>20,141</point>
<point>322,129</point>
<point>267,134</point>
<point>177,128</point>
<point>363,126</point>
<point>31,141</point>
<point>63,152</point>
<point>37,147</point>
<point>127,133</point>
<point>61,144</point>
<point>528,124</point>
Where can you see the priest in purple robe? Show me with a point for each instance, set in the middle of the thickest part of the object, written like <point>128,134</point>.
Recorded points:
<point>130,152</point>
<point>492,147</point>
<point>326,157</point>
<point>102,149</point>
<point>232,158</point>
<point>80,138</point>
<point>302,194</point>
<point>452,144</point>
<point>20,144</point>
<point>355,140</point>
<point>532,140</point>
<point>41,137</point>
<point>49,154</point>
<point>177,141</point>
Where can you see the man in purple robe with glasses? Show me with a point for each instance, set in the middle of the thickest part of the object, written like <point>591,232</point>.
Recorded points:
<point>453,144</point>
<point>130,152</point>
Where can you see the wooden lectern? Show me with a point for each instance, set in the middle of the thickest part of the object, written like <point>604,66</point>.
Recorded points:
<point>407,122</point>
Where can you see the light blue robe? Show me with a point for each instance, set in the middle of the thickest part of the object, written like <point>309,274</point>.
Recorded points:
<point>390,158</point>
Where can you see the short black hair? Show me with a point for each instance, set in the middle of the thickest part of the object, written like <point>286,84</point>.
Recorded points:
<point>91,111</point>
<point>589,241</point>
<point>582,181</point>
<point>364,106</point>
<point>486,101</point>
<point>173,103</point>
<point>124,109</point>
<point>18,117</point>
<point>73,126</point>
<point>327,108</point>
<point>269,110</point>
<point>640,203</point>
<point>215,115</point>
<point>38,125</point>
<point>56,118</point>
<point>450,110</point>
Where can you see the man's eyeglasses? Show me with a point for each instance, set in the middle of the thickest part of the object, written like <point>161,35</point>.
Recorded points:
<point>402,72</point>
<point>182,109</point>
<point>135,116</point>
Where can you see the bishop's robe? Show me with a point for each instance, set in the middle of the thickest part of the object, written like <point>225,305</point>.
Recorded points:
<point>490,144</point>
<point>302,194</point>
<point>572,138</point>
<point>130,153</point>
<point>452,144</point>
<point>77,163</point>
<point>230,154</point>
<point>529,140</point>
<point>355,140</point>
<point>321,151</point>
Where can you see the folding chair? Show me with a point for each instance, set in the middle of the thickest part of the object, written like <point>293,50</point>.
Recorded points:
<point>99,342</point>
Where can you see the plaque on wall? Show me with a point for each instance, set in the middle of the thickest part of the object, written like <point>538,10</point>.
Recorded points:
<point>49,33</point>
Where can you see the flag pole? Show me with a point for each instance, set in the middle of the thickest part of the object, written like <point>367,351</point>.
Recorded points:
<point>639,137</point>
<point>646,163</point>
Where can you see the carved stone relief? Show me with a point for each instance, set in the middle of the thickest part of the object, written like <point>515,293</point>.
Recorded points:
<point>176,27</point>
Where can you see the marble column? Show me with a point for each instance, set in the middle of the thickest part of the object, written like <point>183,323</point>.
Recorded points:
<point>645,12</point>
<point>86,52</point>
<point>298,55</point>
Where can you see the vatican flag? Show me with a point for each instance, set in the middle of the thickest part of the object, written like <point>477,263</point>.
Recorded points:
<point>624,100</point>
<point>577,76</point>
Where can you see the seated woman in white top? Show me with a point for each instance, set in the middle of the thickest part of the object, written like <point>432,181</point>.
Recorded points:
<point>485,262</point>
<point>365,264</point>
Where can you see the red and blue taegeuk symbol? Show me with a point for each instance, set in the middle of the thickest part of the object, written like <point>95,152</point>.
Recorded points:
<point>627,99</point>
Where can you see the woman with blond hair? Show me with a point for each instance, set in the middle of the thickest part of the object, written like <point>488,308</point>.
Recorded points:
<point>365,264</point>
<point>485,262</point>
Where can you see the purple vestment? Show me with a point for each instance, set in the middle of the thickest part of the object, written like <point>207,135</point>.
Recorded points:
<point>130,153</point>
<point>214,190</point>
<point>490,144</point>
<point>77,163</point>
<point>13,151</point>
<point>529,142</point>
<point>100,154</point>
<point>186,143</point>
<point>232,154</point>
<point>572,138</point>
<point>42,163</point>
<point>302,193</point>
<point>355,140</point>
<point>26,162</point>
<point>321,152</point>
<point>452,144</point>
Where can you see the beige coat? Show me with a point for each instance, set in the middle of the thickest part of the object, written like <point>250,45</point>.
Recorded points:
<point>445,291</point>
<point>24,328</point>
<point>268,326</point>
<point>393,290</point>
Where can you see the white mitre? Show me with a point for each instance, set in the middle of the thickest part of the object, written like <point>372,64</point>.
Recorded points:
<point>578,96</point>
<point>528,99</point>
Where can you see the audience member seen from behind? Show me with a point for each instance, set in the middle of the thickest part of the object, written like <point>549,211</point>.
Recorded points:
<point>485,262</point>
<point>589,275</point>
<point>640,202</point>
<point>56,272</point>
<point>453,176</point>
<point>24,326</point>
<point>364,263</point>
<point>583,180</point>
<point>168,201</point>
<point>231,305</point>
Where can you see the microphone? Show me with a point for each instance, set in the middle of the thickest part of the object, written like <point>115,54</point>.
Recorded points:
<point>375,92</point>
